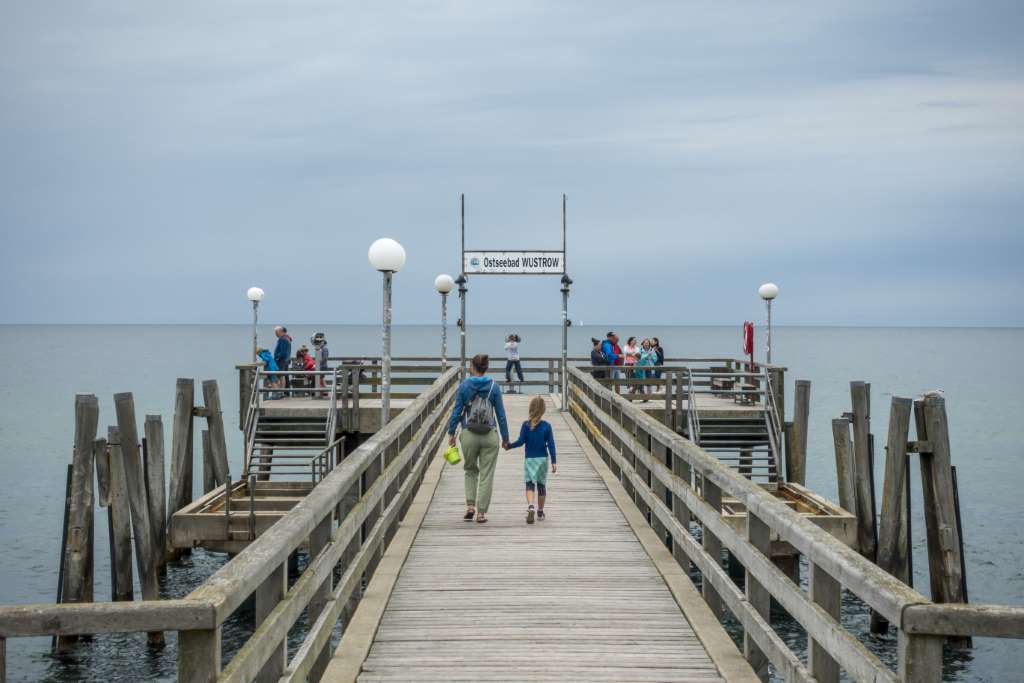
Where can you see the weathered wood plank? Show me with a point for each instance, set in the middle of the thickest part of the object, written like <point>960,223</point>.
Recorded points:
<point>863,476</point>
<point>796,461</point>
<point>156,492</point>
<point>120,518</point>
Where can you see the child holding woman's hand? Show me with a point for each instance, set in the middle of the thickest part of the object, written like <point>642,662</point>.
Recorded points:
<point>538,437</point>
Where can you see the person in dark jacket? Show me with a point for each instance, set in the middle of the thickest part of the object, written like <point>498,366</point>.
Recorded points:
<point>659,356</point>
<point>479,441</point>
<point>613,354</point>
<point>597,359</point>
<point>282,353</point>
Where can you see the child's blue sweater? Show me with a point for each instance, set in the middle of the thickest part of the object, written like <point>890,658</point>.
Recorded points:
<point>539,441</point>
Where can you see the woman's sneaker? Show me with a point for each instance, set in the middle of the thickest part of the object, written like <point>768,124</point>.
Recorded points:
<point>540,515</point>
<point>529,515</point>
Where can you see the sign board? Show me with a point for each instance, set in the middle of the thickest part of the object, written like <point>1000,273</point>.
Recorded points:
<point>513,262</point>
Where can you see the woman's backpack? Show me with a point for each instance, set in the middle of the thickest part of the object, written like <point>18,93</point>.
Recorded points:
<point>480,414</point>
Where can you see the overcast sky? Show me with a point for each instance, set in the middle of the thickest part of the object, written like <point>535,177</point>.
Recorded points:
<point>156,159</point>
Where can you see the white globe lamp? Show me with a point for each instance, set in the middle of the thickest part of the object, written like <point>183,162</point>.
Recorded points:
<point>387,255</point>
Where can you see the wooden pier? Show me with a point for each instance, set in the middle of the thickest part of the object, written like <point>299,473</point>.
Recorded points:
<point>704,478</point>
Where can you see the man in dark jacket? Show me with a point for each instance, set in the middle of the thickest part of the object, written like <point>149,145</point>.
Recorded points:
<point>282,353</point>
<point>613,354</point>
<point>479,442</point>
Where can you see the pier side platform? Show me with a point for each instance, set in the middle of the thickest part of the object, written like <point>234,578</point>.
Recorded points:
<point>590,593</point>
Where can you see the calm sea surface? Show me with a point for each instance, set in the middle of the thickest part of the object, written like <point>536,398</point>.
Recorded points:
<point>979,369</point>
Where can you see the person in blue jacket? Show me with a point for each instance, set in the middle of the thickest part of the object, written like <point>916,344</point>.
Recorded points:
<point>478,409</point>
<point>538,437</point>
<point>282,354</point>
<point>269,365</point>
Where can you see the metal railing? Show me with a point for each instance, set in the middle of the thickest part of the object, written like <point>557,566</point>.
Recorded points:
<point>346,520</point>
<point>650,458</point>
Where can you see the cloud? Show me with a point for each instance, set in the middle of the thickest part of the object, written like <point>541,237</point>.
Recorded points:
<point>181,153</point>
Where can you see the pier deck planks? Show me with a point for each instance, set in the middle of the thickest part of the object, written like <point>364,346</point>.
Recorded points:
<point>572,598</point>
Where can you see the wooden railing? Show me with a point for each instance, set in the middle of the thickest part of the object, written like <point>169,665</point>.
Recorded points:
<point>346,520</point>
<point>674,481</point>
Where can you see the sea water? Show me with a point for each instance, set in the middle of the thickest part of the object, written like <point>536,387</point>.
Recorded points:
<point>979,370</point>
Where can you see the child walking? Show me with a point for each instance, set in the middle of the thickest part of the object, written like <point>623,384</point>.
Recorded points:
<point>538,437</point>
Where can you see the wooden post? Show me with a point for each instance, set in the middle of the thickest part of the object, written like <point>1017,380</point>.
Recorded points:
<point>142,527</point>
<point>181,447</point>
<point>827,593</point>
<point>209,479</point>
<point>199,656</point>
<point>920,658</point>
<point>682,470</point>
<point>215,422</point>
<point>318,540</point>
<point>79,521</point>
<point>551,376</point>
<point>268,595</point>
<point>758,596</point>
<point>796,460</point>
<point>713,497</point>
<point>680,415</point>
<point>778,379</point>
<point>944,560</point>
<point>102,463</point>
<point>844,464</point>
<point>120,522</point>
<point>155,490</point>
<point>864,499</point>
<point>668,399</point>
<point>892,556</point>
<point>62,554</point>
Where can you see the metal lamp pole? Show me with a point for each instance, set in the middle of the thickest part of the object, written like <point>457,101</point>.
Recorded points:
<point>461,282</point>
<point>387,256</point>
<point>768,291</point>
<point>564,383</point>
<point>444,284</point>
<point>255,295</point>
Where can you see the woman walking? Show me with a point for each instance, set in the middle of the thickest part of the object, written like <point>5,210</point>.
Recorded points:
<point>631,354</point>
<point>536,434</point>
<point>478,409</point>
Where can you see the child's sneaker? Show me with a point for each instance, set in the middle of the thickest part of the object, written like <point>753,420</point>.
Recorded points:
<point>529,515</point>
<point>540,515</point>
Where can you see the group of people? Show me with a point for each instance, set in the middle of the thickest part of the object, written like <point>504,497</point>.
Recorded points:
<point>480,413</point>
<point>281,359</point>
<point>639,360</point>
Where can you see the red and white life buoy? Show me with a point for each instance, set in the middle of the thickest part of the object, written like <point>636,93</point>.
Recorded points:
<point>748,338</point>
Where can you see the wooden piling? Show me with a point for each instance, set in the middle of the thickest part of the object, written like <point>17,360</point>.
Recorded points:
<point>79,523</point>
<point>944,561</point>
<point>62,555</point>
<point>796,460</point>
<point>892,555</point>
<point>102,464</point>
<point>215,423</point>
<point>180,490</point>
<point>209,480</point>
<point>142,526</point>
<point>863,476</point>
<point>120,522</point>
<point>844,464</point>
<point>155,491</point>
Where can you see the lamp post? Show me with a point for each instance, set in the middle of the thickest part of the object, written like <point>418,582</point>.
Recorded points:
<point>564,384</point>
<point>255,295</point>
<point>444,283</point>
<point>461,282</point>
<point>387,256</point>
<point>769,291</point>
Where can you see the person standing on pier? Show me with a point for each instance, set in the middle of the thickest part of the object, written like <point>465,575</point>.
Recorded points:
<point>630,355</point>
<point>282,353</point>
<point>597,359</point>
<point>538,437</point>
<point>613,354</point>
<point>320,346</point>
<point>481,412</point>
<point>647,359</point>
<point>512,360</point>
<point>660,356</point>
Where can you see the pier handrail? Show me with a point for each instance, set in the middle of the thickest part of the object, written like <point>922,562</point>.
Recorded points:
<point>371,489</point>
<point>772,416</point>
<point>650,457</point>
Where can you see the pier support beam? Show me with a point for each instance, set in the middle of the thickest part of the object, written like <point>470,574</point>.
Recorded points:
<point>863,475</point>
<point>827,593</point>
<point>796,454</point>
<point>713,496</point>
<point>155,486</point>
<point>268,595</point>
<point>920,658</point>
<point>120,521</point>
<point>758,596</point>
